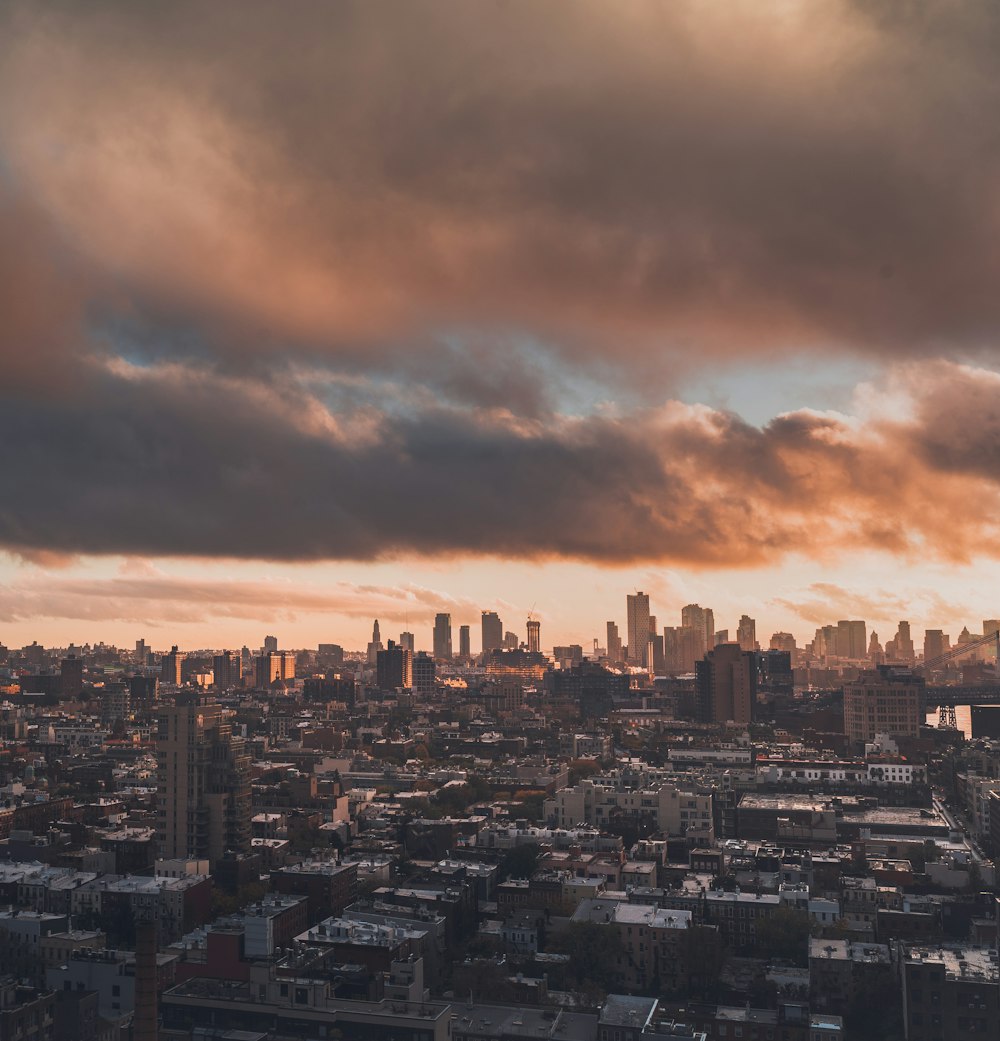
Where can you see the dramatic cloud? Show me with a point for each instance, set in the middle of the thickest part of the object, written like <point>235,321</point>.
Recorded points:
<point>687,179</point>
<point>177,461</point>
<point>350,283</point>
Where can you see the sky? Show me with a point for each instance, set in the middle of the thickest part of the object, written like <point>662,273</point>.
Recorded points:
<point>316,313</point>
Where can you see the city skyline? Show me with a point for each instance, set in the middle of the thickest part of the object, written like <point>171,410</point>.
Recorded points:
<point>446,637</point>
<point>554,329</point>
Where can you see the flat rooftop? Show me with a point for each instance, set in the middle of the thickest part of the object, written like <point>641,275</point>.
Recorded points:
<point>960,961</point>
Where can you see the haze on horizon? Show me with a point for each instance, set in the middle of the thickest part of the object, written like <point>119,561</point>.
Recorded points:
<point>310,315</point>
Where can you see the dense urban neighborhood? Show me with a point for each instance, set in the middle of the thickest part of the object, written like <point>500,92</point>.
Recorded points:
<point>680,836</point>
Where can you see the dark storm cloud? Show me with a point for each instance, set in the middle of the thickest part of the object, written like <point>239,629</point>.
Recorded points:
<point>324,281</point>
<point>169,460</point>
<point>692,179</point>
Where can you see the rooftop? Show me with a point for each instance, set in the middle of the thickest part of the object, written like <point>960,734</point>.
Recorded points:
<point>959,961</point>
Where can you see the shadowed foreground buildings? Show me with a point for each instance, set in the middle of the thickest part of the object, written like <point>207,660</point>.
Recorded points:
<point>203,782</point>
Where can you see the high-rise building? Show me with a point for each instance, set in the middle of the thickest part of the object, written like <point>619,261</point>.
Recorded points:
<point>783,642</point>
<point>170,666</point>
<point>726,684</point>
<point>826,642</point>
<point>774,672</point>
<point>464,641</point>
<point>852,639</point>
<point>534,635</point>
<point>902,646</point>
<point>424,674</point>
<point>394,668</point>
<point>71,677</point>
<point>442,637</point>
<point>884,700</point>
<point>935,644</point>
<point>876,655</point>
<point>671,649</point>
<point>270,644</point>
<point>329,655</point>
<point>746,633</point>
<point>683,646</point>
<point>989,651</point>
<point>375,644</point>
<point>227,668</point>
<point>510,641</point>
<point>492,631</point>
<point>614,643</point>
<point>143,691</point>
<point>275,666</point>
<point>203,782</point>
<point>702,620</point>
<point>637,606</point>
<point>141,652</point>
<point>406,640</point>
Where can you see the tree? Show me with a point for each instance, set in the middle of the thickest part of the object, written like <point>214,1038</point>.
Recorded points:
<point>594,951</point>
<point>532,805</point>
<point>582,768</point>
<point>784,936</point>
<point>483,978</point>
<point>520,862</point>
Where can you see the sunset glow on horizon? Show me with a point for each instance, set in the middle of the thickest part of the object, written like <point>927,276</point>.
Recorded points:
<point>317,314</point>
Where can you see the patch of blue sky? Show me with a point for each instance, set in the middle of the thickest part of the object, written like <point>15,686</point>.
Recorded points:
<point>760,390</point>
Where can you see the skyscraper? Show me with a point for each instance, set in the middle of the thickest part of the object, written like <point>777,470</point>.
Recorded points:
<point>464,642</point>
<point>683,646</point>
<point>203,782</point>
<point>170,666</point>
<point>492,631</point>
<point>375,645</point>
<point>424,673</point>
<point>406,640</point>
<point>71,677</point>
<point>534,635</point>
<point>275,666</point>
<point>442,637</point>
<point>746,633</point>
<point>852,640</point>
<point>726,684</point>
<point>614,643</point>
<point>989,650</point>
<point>702,620</point>
<point>227,669</point>
<point>935,644</point>
<point>637,606</point>
<point>270,644</point>
<point>394,668</point>
<point>902,645</point>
